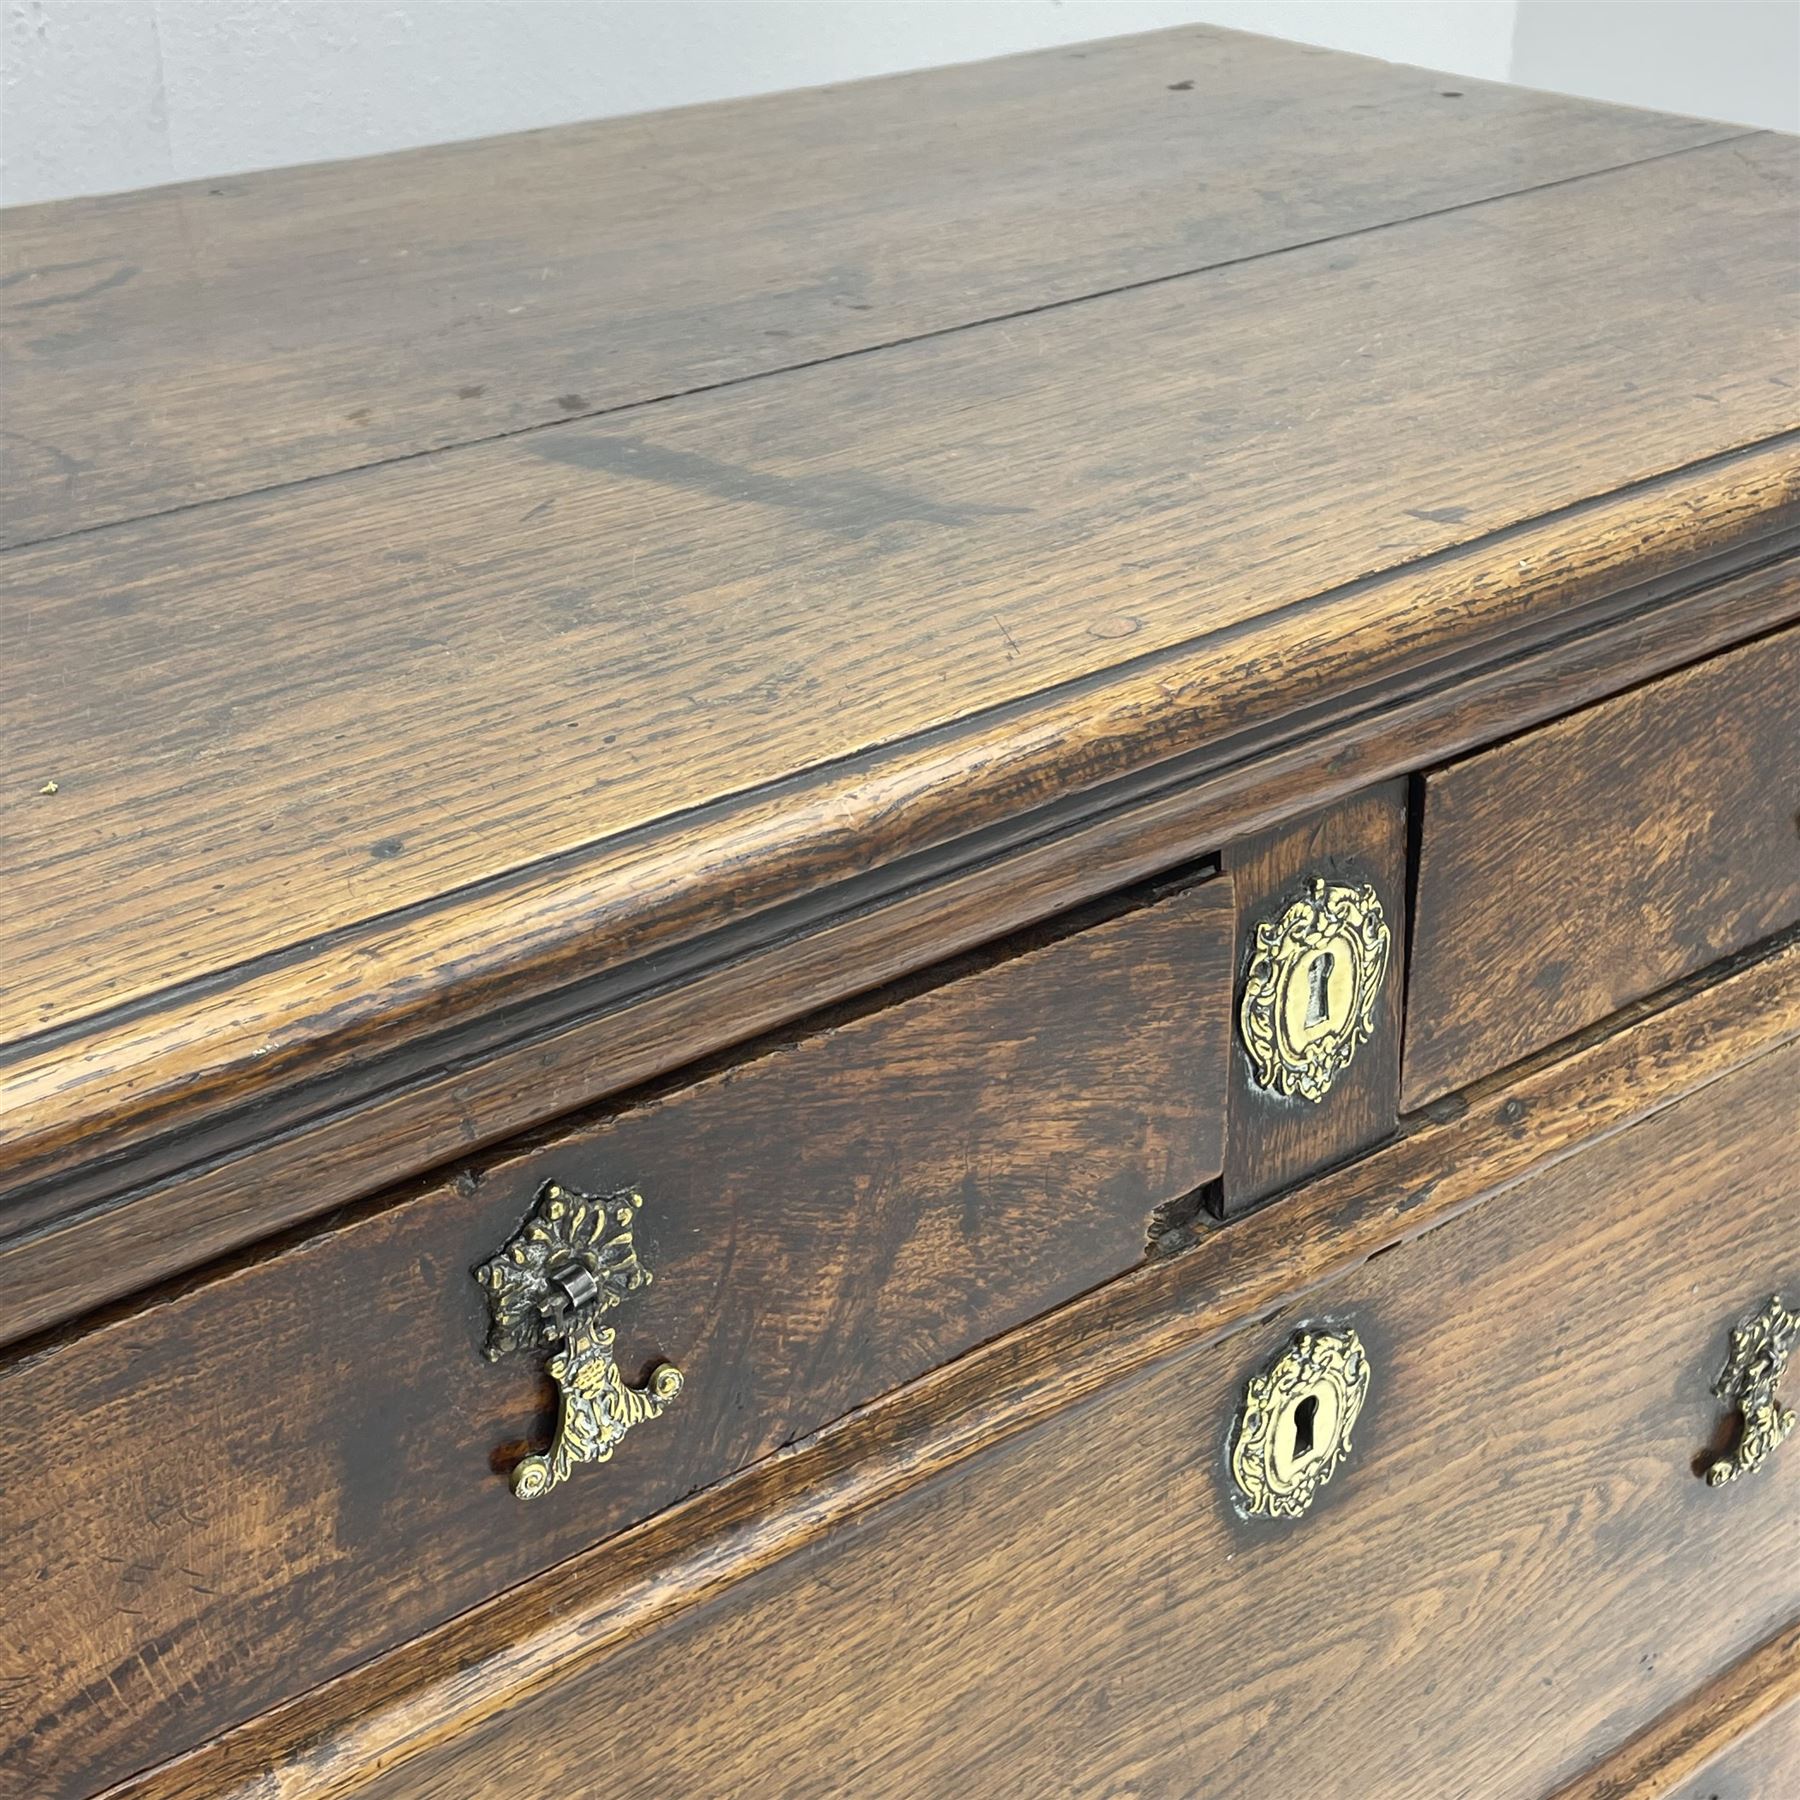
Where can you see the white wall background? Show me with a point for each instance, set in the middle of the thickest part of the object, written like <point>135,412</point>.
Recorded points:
<point>97,95</point>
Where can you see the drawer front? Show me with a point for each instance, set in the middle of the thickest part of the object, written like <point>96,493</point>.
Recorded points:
<point>1517,1567</point>
<point>1357,850</point>
<point>1592,862</point>
<point>251,1485</point>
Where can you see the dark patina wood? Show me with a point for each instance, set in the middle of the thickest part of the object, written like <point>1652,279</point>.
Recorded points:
<point>487,1663</point>
<point>1599,858</point>
<point>82,1232</point>
<point>1274,1139</point>
<point>327,814</point>
<point>303,1461</point>
<point>700,654</point>
<point>1518,1566</point>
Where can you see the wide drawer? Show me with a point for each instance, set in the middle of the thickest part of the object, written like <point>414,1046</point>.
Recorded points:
<point>1516,1567</point>
<point>1589,863</point>
<point>232,1494</point>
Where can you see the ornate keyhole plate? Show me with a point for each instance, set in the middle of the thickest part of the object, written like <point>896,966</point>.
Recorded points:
<point>1312,988</point>
<point>1294,1430</point>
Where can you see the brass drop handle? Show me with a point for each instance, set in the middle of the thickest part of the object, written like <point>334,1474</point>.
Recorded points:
<point>1759,1355</point>
<point>552,1283</point>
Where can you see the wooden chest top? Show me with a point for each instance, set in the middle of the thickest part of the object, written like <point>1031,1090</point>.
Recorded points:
<point>453,596</point>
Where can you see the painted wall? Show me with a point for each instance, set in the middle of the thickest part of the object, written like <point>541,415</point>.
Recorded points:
<point>97,95</point>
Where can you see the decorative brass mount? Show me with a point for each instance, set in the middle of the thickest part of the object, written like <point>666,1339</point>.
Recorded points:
<point>1759,1355</point>
<point>1294,1430</point>
<point>554,1280</point>
<point>1312,988</point>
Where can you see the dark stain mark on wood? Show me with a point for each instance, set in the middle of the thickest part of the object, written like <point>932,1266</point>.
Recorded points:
<point>850,505</point>
<point>61,461</point>
<point>123,273</point>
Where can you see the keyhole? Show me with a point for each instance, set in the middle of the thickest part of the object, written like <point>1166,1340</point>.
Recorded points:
<point>1319,988</point>
<point>1304,1416</point>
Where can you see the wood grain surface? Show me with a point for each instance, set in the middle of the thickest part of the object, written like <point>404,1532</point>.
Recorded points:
<point>483,1666</point>
<point>1762,1766</point>
<point>1520,1564</point>
<point>174,346</point>
<point>1272,1139</point>
<point>1737,1738</point>
<point>1597,859</point>
<point>289,714</point>
<point>371,798</point>
<point>151,1168</point>
<point>269,1477</point>
<point>493,656</point>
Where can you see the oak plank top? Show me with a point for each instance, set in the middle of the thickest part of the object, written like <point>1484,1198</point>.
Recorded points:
<point>348,743</point>
<point>227,334</point>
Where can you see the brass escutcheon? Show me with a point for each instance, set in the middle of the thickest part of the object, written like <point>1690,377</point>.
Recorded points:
<point>551,1283</point>
<point>1759,1355</point>
<point>1312,987</point>
<point>1294,1430</point>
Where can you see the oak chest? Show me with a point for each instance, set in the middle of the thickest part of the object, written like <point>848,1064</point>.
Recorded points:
<point>930,939</point>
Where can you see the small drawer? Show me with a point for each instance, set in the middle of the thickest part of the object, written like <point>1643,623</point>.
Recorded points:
<point>1517,1564</point>
<point>248,1486</point>
<point>1585,865</point>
